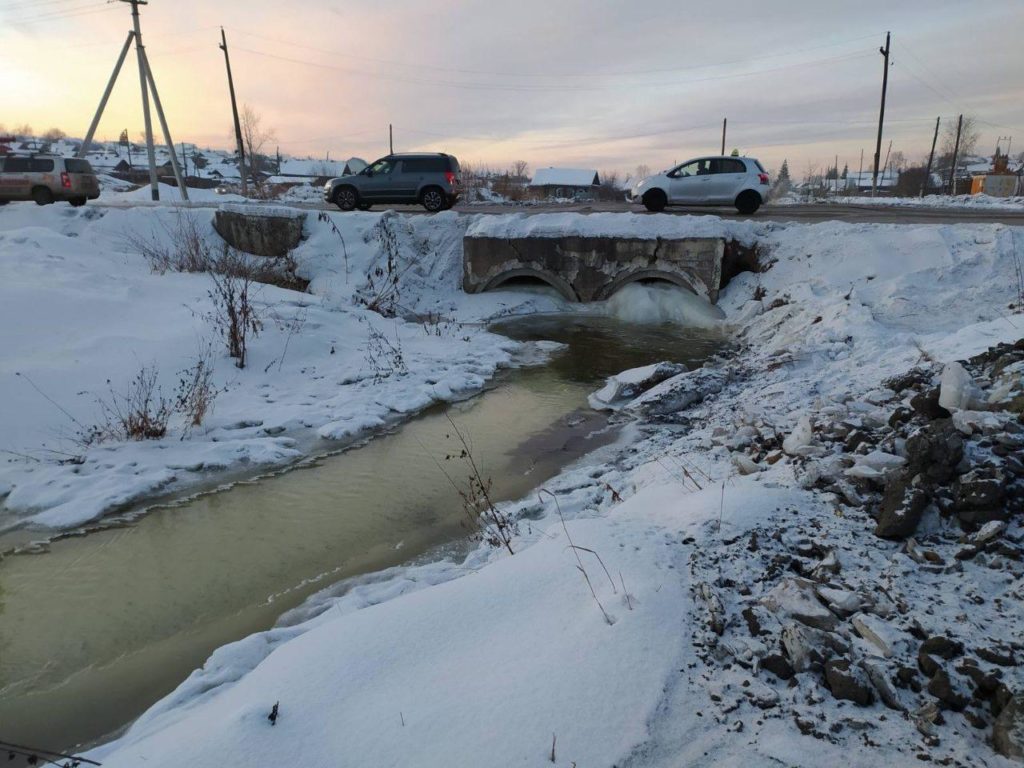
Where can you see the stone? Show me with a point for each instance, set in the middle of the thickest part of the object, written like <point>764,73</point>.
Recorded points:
<point>957,390</point>
<point>927,404</point>
<point>1001,656</point>
<point>979,496</point>
<point>902,508</point>
<point>934,451</point>
<point>942,688</point>
<point>878,634</point>
<point>796,598</point>
<point>260,231</point>
<point>802,647</point>
<point>841,601</point>
<point>778,665</point>
<point>934,647</point>
<point>625,386</point>
<point>876,673</point>
<point>990,531</point>
<point>848,682</point>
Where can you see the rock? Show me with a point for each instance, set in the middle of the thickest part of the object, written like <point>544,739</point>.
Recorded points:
<point>927,404</point>
<point>979,495</point>
<point>796,599</point>
<point>803,647</point>
<point>1008,730</point>
<point>841,601</point>
<point>941,687</point>
<point>778,665</point>
<point>715,609</point>
<point>940,647</point>
<point>1000,656</point>
<point>934,451</point>
<point>746,465</point>
<point>913,378</point>
<point>627,385</point>
<point>876,632</point>
<point>800,438</point>
<point>902,508</point>
<point>957,390</point>
<point>855,439</point>
<point>901,416</point>
<point>679,392</point>
<point>988,532</point>
<point>848,682</point>
<point>883,685</point>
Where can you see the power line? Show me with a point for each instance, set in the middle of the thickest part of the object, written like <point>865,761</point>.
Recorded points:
<point>86,10</point>
<point>537,88</point>
<point>632,73</point>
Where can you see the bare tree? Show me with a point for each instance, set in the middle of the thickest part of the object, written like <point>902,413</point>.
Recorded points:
<point>969,134</point>
<point>520,169</point>
<point>54,134</point>
<point>642,171</point>
<point>255,136</point>
<point>23,131</point>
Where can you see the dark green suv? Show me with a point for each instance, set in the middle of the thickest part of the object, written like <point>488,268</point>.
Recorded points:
<point>432,180</point>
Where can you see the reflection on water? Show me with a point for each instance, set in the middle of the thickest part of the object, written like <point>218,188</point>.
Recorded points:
<point>103,625</point>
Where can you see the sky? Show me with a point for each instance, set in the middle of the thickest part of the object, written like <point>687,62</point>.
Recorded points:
<point>601,84</point>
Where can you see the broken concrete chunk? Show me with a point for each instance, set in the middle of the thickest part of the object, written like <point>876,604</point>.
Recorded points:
<point>627,385</point>
<point>796,599</point>
<point>878,633</point>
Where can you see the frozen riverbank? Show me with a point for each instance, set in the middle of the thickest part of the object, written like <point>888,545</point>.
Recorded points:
<point>731,488</point>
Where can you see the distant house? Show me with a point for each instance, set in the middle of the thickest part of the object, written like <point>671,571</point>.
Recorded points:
<point>571,183</point>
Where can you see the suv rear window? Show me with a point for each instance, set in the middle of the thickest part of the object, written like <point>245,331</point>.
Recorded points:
<point>37,165</point>
<point>759,166</point>
<point>74,165</point>
<point>425,165</point>
<point>16,165</point>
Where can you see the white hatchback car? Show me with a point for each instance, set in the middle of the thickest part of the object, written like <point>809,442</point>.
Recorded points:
<point>717,180</point>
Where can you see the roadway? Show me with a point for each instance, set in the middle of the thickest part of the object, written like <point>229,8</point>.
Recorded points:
<point>807,213</point>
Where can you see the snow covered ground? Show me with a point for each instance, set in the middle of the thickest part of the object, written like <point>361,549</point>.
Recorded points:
<point>615,637</point>
<point>982,202</point>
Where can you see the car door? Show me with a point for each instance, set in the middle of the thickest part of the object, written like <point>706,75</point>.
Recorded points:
<point>688,183</point>
<point>378,181</point>
<point>14,179</point>
<point>728,175</point>
<point>407,178</point>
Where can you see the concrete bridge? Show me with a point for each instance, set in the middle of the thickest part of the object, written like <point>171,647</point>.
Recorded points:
<point>584,269</point>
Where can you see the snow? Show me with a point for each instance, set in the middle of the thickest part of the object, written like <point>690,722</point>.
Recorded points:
<point>982,201</point>
<point>482,660</point>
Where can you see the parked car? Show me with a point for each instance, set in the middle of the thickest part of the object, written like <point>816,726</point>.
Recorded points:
<point>717,180</point>
<point>432,180</point>
<point>46,179</point>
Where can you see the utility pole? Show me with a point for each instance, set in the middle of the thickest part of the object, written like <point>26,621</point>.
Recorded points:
<point>860,169</point>
<point>881,114</point>
<point>184,159</point>
<point>234,112</point>
<point>391,140</point>
<point>725,122</point>
<point>956,151</point>
<point>931,158</point>
<point>147,84</point>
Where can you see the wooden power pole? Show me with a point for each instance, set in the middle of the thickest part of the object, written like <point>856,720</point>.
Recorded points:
<point>234,112</point>
<point>881,115</point>
<point>931,159</point>
<point>956,151</point>
<point>725,122</point>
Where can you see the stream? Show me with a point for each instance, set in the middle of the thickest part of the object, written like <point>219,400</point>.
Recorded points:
<point>103,625</point>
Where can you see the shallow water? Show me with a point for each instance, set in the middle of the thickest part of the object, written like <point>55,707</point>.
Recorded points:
<point>103,625</point>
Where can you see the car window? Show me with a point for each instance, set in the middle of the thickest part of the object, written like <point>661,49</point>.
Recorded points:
<point>728,165</point>
<point>16,165</point>
<point>453,165</point>
<point>759,166</point>
<point>694,168</point>
<point>74,165</point>
<point>424,165</point>
<point>382,166</point>
<point>37,165</point>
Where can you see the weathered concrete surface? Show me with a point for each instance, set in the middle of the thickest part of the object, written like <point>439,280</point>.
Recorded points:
<point>268,232</point>
<point>593,268</point>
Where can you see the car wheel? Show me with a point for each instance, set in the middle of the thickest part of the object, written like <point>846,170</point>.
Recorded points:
<point>655,200</point>
<point>364,206</point>
<point>77,202</point>
<point>748,202</point>
<point>433,199</point>
<point>346,198</point>
<point>42,196</point>
<point>4,202</point>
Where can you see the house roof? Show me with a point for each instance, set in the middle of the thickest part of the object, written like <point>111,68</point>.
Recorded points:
<point>565,177</point>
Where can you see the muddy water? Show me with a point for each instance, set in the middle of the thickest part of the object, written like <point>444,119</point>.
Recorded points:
<point>103,625</point>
